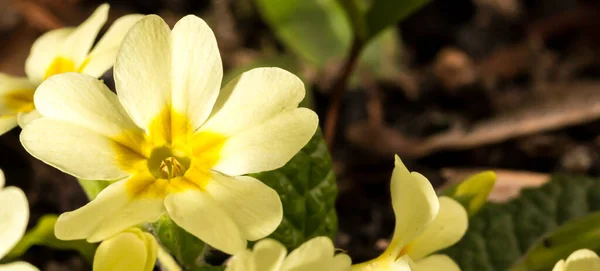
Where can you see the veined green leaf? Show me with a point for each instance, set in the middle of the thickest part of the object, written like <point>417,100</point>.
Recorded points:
<point>187,249</point>
<point>500,234</point>
<point>579,233</point>
<point>307,188</point>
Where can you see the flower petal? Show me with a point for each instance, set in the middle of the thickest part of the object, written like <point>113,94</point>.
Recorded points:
<point>24,118</point>
<point>313,252</point>
<point>261,93</point>
<point>9,83</point>
<point>268,255</point>
<point>341,262</point>
<point>385,263</point>
<point>241,261</point>
<point>560,266</point>
<point>7,123</point>
<point>269,145</point>
<point>403,263</point>
<point>143,69</point>
<point>18,266</point>
<point>415,206</point>
<point>129,250</point>
<point>75,149</point>
<point>16,94</point>
<point>435,262</point>
<point>2,180</point>
<point>83,100</point>
<point>197,213</point>
<point>254,207</point>
<point>447,228</point>
<point>14,215</point>
<point>111,212</point>
<point>582,260</point>
<point>197,70</point>
<point>78,44</point>
<point>103,55</point>
<point>43,52</point>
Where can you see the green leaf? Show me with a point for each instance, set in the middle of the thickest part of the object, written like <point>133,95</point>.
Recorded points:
<point>307,188</point>
<point>501,233</point>
<point>381,56</point>
<point>315,30</point>
<point>384,13</point>
<point>473,192</point>
<point>187,249</point>
<point>355,13</point>
<point>576,234</point>
<point>43,235</point>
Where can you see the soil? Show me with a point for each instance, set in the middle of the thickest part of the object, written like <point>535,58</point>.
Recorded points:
<point>464,64</point>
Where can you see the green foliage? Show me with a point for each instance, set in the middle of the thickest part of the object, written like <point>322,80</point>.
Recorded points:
<point>43,235</point>
<point>473,192</point>
<point>355,13</point>
<point>307,187</point>
<point>501,233</point>
<point>185,247</point>
<point>384,13</point>
<point>369,20</point>
<point>576,234</point>
<point>315,30</point>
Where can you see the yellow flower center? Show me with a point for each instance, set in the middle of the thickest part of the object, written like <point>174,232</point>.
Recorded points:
<point>169,158</point>
<point>62,64</point>
<point>170,168</point>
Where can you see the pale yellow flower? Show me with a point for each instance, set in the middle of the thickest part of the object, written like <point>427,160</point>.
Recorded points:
<point>175,142</point>
<point>424,225</point>
<point>580,260</point>
<point>317,254</point>
<point>58,51</point>
<point>14,214</point>
<point>131,250</point>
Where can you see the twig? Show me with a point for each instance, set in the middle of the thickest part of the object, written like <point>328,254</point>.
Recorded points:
<point>374,99</point>
<point>338,91</point>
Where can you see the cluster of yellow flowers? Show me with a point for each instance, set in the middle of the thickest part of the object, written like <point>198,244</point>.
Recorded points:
<point>171,141</point>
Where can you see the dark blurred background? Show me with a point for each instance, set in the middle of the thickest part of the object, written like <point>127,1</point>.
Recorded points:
<point>457,87</point>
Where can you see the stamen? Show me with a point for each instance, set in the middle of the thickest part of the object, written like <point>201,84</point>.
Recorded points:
<point>171,168</point>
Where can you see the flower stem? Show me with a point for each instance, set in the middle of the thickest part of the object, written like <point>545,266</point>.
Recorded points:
<point>338,91</point>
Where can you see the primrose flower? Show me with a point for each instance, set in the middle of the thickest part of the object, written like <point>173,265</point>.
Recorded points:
<point>580,260</point>
<point>58,51</point>
<point>316,254</point>
<point>175,143</point>
<point>14,214</point>
<point>132,250</point>
<point>424,224</point>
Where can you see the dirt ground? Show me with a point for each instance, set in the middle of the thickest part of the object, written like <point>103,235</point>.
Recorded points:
<point>482,84</point>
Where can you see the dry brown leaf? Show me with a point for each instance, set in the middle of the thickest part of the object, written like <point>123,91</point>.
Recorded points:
<point>560,105</point>
<point>509,183</point>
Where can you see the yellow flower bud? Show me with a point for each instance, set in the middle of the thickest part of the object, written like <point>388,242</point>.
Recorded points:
<point>132,250</point>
